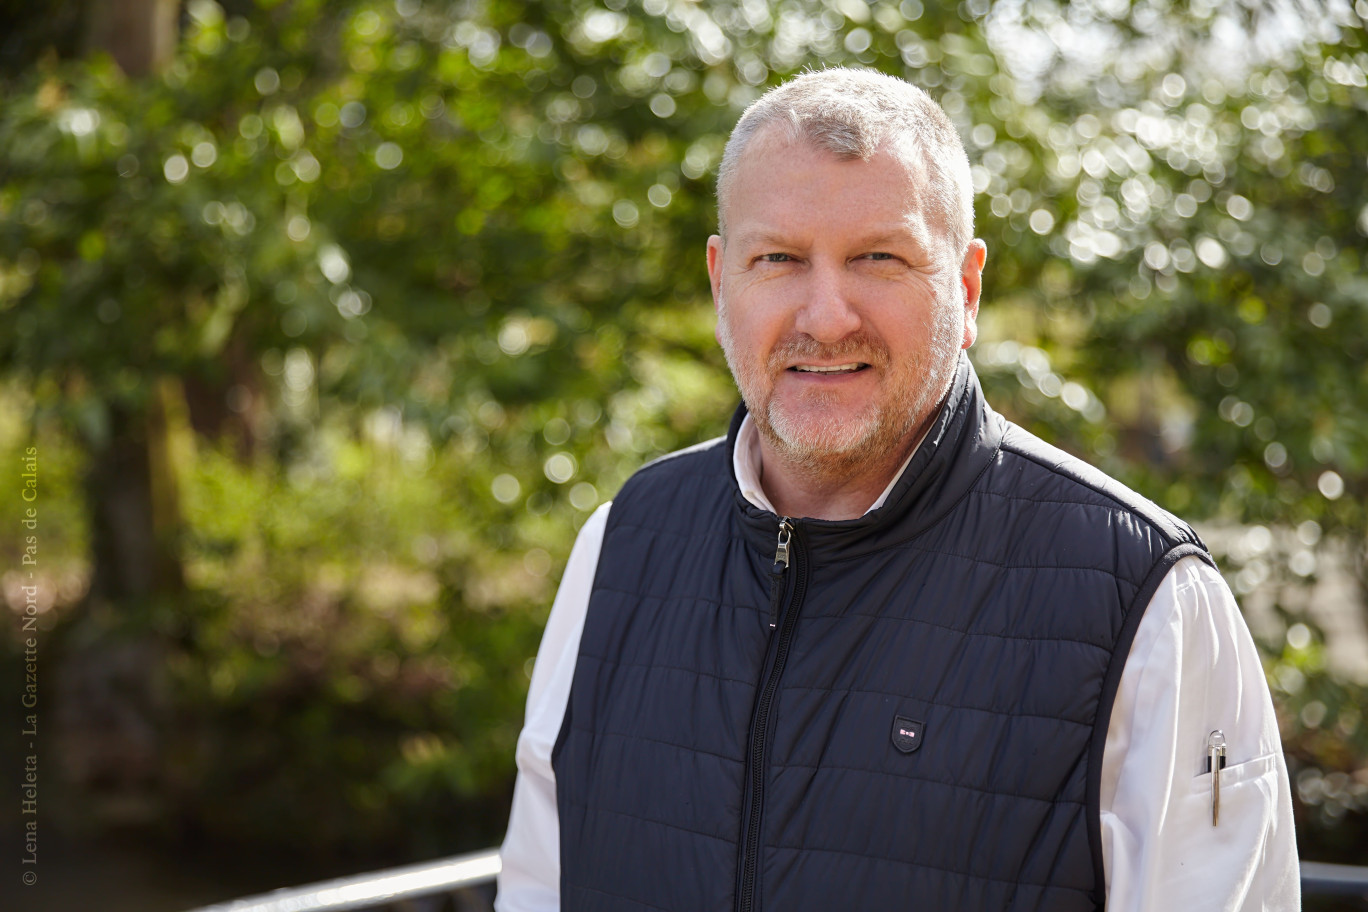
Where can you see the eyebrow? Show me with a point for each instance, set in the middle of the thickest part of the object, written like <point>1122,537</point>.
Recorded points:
<point>765,238</point>
<point>760,238</point>
<point>891,237</point>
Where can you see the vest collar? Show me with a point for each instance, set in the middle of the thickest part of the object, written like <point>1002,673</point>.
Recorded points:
<point>962,442</point>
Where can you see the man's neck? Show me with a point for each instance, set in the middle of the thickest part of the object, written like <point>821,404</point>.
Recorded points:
<point>841,488</point>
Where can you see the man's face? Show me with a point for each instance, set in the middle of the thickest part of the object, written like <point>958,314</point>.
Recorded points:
<point>841,310</point>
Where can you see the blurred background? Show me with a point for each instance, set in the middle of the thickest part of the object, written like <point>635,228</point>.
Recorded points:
<point>324,324</point>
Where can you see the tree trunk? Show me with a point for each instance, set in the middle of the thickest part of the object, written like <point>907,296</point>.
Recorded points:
<point>110,700</point>
<point>139,34</point>
<point>135,516</point>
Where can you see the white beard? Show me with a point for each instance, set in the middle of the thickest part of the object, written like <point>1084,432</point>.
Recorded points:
<point>831,443</point>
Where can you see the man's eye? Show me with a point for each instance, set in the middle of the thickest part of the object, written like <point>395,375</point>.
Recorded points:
<point>775,258</point>
<point>879,256</point>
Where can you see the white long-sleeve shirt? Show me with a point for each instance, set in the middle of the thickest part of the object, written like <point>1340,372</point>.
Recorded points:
<point>1192,669</point>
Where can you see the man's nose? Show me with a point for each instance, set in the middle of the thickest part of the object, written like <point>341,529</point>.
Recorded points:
<point>828,314</point>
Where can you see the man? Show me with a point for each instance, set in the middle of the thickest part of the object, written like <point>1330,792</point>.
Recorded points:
<point>879,647</point>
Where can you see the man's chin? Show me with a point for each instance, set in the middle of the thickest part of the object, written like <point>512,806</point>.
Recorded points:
<point>824,444</point>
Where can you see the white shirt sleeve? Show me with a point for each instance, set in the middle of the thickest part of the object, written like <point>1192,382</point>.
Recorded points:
<point>1193,669</point>
<point>530,879</point>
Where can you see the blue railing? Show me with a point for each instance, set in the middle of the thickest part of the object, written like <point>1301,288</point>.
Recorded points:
<point>471,877</point>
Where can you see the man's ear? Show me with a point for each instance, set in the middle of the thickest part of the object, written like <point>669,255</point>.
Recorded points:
<point>715,277</point>
<point>715,266</point>
<point>971,275</point>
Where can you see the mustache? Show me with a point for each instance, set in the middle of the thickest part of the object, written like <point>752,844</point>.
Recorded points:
<point>858,346</point>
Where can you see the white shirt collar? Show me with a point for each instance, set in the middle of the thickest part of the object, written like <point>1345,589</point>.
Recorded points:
<point>746,466</point>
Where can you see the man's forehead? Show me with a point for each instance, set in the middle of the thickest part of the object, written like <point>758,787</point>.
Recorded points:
<point>774,141</point>
<point>756,201</point>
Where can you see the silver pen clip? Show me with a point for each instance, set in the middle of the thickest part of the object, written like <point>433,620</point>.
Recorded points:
<point>1216,760</point>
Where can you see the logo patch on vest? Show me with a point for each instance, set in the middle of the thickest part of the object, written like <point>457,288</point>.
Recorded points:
<point>907,734</point>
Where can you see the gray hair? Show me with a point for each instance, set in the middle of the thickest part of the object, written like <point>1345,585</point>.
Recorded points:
<point>853,113</point>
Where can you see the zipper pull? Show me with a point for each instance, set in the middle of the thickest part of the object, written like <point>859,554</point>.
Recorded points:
<point>781,562</point>
<point>781,553</point>
<point>1216,760</point>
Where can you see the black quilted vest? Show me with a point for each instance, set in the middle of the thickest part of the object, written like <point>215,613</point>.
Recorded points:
<point>923,725</point>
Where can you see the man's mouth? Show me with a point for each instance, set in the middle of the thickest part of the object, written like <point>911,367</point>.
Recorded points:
<point>850,368</point>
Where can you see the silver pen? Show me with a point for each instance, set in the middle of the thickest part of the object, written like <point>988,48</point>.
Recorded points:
<point>1216,760</point>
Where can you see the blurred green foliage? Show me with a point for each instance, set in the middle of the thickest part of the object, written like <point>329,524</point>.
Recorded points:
<point>390,295</point>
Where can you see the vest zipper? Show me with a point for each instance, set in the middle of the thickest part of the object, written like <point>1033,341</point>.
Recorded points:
<point>781,562</point>
<point>784,614</point>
